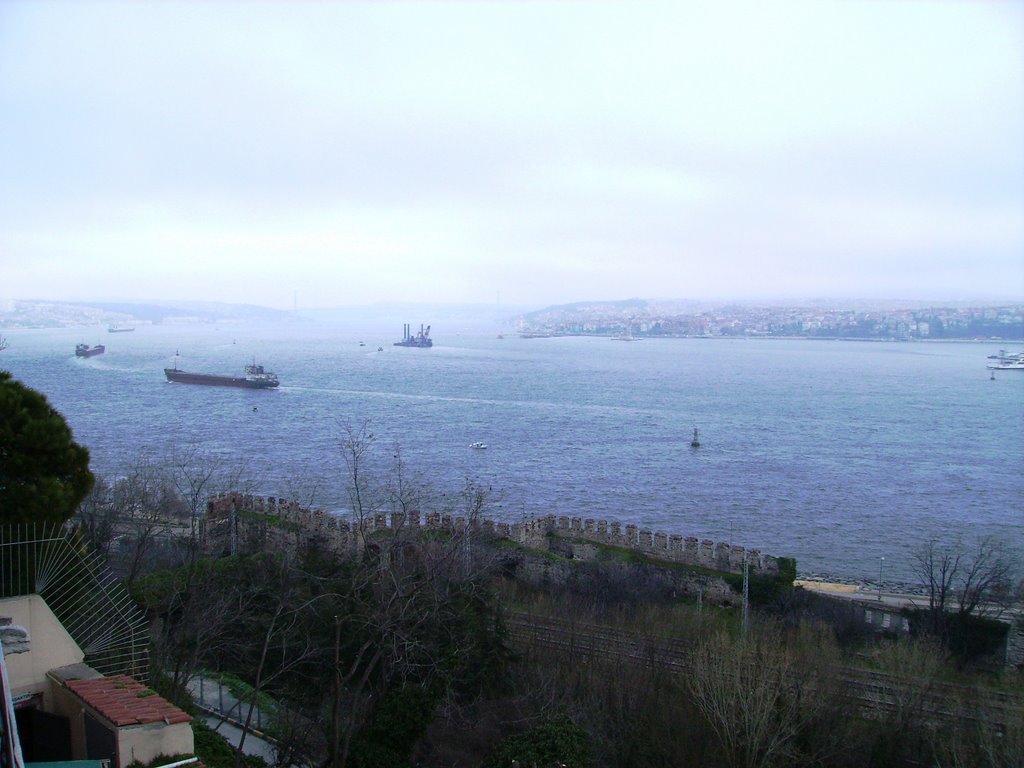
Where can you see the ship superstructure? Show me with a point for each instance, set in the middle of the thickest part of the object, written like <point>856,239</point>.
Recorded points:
<point>420,339</point>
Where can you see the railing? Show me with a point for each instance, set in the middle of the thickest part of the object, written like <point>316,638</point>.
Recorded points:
<point>96,610</point>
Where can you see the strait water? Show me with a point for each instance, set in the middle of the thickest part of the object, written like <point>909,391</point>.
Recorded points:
<point>836,453</point>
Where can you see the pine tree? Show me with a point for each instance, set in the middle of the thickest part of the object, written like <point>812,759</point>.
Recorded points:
<point>44,473</point>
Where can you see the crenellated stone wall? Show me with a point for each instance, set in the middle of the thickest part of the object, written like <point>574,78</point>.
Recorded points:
<point>675,548</point>
<point>241,522</point>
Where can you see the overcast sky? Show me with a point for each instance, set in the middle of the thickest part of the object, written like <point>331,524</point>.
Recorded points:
<point>524,152</point>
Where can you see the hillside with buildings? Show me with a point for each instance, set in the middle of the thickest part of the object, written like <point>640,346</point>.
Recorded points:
<point>856,320</point>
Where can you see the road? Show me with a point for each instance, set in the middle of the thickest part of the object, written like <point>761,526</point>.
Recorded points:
<point>225,713</point>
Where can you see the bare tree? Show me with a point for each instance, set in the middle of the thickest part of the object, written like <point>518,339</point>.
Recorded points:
<point>407,596</point>
<point>356,445</point>
<point>198,475</point>
<point>97,518</point>
<point>283,646</point>
<point>762,699</point>
<point>910,670</point>
<point>338,637</point>
<point>3,343</point>
<point>904,689</point>
<point>963,580</point>
<point>131,520</point>
<point>193,628</point>
<point>404,490</point>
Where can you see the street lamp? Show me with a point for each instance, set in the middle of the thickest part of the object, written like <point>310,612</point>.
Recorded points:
<point>881,562</point>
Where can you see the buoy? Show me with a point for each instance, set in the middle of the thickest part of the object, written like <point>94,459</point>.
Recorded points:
<point>695,443</point>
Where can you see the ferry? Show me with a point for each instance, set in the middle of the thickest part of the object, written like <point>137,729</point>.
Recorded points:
<point>1006,361</point>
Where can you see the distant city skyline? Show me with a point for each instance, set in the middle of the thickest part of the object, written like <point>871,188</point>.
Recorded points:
<point>331,154</point>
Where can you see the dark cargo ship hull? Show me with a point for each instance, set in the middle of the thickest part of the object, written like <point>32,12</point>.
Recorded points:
<point>214,380</point>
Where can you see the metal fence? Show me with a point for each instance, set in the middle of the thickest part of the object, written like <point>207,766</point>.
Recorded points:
<point>93,606</point>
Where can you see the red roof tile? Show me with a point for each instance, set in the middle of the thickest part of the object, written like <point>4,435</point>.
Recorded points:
<point>122,700</point>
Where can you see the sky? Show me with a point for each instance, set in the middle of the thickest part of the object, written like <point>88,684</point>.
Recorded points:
<point>326,154</point>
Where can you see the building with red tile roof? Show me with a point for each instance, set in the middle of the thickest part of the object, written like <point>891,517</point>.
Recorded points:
<point>125,701</point>
<point>74,712</point>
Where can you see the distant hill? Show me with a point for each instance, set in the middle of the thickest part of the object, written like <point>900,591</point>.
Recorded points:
<point>56,314</point>
<point>624,308</point>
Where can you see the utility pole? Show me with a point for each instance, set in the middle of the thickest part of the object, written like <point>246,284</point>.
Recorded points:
<point>746,593</point>
<point>336,701</point>
<point>881,562</point>
<point>233,529</point>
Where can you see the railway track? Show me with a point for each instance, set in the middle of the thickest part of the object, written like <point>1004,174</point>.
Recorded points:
<point>874,692</point>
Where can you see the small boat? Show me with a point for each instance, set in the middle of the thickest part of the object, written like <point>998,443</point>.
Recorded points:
<point>118,329</point>
<point>362,343</point>
<point>626,335</point>
<point>84,350</point>
<point>478,445</point>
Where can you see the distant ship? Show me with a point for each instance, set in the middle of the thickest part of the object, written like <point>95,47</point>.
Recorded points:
<point>118,329</point>
<point>421,339</point>
<point>84,350</point>
<point>255,378</point>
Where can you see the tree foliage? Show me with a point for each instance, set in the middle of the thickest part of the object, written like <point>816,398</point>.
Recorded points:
<point>44,473</point>
<point>557,743</point>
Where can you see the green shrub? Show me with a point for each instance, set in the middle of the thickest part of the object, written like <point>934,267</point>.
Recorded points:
<point>557,742</point>
<point>215,751</point>
<point>398,723</point>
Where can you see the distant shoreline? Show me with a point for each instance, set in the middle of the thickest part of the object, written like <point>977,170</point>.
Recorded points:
<point>755,337</point>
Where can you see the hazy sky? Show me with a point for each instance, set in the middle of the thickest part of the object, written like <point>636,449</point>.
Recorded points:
<point>532,152</point>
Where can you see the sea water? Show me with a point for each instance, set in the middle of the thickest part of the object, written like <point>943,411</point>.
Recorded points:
<point>837,453</point>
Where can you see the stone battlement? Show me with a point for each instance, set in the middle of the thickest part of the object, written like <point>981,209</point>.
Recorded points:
<point>674,548</point>
<point>267,521</point>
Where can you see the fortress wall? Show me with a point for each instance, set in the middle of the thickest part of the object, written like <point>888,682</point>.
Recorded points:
<point>270,523</point>
<point>687,550</point>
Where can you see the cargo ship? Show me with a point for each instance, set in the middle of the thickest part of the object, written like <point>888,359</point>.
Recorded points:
<point>421,339</point>
<point>84,350</point>
<point>255,378</point>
